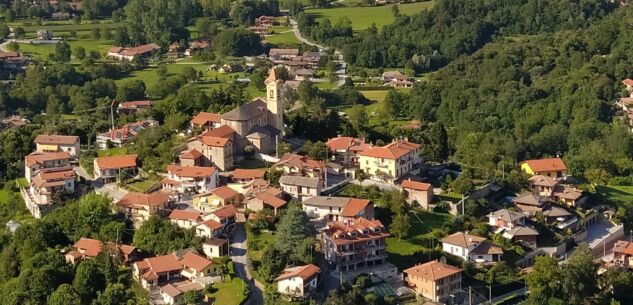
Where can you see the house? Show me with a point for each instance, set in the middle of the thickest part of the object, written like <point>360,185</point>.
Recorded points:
<point>205,120</point>
<point>134,106</point>
<point>282,54</point>
<point>44,35</point>
<point>60,16</point>
<point>419,192</point>
<point>140,207</point>
<point>622,253</point>
<point>434,280</point>
<point>333,208</point>
<point>629,84</point>
<point>215,199</point>
<point>173,51</point>
<point>526,235</point>
<point>119,136</point>
<point>346,149</point>
<point>209,229</point>
<point>215,247</point>
<point>217,147</point>
<point>40,196</point>
<point>471,248</point>
<point>355,244</point>
<point>389,76</point>
<point>303,74</point>
<point>398,84</point>
<point>542,185</point>
<point>57,143</point>
<point>115,168</point>
<point>506,219</point>
<point>560,218</point>
<point>259,195</point>
<point>299,187</point>
<point>265,21</point>
<point>568,195</point>
<point>243,176</point>
<point>293,164</point>
<point>185,219</point>
<point>155,271</point>
<point>298,282</point>
<point>214,223</point>
<point>197,46</point>
<point>190,179</point>
<point>129,54</point>
<point>192,157</point>
<point>552,167</point>
<point>391,162</point>
<point>174,293</point>
<point>37,161</point>
<point>86,248</point>
<point>259,30</point>
<point>529,203</point>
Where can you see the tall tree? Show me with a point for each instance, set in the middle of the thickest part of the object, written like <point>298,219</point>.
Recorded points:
<point>293,228</point>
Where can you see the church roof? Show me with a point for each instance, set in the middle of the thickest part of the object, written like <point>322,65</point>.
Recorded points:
<point>246,112</point>
<point>259,132</point>
<point>273,77</point>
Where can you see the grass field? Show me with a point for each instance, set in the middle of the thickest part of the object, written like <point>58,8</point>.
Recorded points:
<point>116,151</point>
<point>4,195</point>
<point>263,239</point>
<point>285,38</point>
<point>375,95</point>
<point>252,164</point>
<point>142,186</point>
<point>229,293</point>
<point>60,28</point>
<point>43,50</point>
<point>419,239</point>
<point>363,17</point>
<point>616,194</point>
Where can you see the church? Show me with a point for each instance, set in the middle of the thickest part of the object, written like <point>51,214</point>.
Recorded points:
<point>258,123</point>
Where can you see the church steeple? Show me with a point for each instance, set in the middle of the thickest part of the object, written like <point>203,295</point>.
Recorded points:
<point>273,99</point>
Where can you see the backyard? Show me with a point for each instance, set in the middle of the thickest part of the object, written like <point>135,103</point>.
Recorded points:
<point>364,17</point>
<point>229,293</point>
<point>616,194</point>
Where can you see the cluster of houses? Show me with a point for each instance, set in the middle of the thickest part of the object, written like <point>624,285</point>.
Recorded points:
<point>263,25</point>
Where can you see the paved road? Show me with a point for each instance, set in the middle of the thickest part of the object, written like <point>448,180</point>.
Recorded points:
<point>240,265</point>
<point>112,190</point>
<point>340,61</point>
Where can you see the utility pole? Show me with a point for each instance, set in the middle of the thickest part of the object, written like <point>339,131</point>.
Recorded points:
<point>470,295</point>
<point>490,293</point>
<point>112,118</point>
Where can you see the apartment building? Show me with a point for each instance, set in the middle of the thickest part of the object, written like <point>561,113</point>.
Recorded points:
<point>355,244</point>
<point>391,162</point>
<point>434,280</point>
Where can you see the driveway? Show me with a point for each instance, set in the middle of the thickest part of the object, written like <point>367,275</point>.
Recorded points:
<point>112,190</point>
<point>241,264</point>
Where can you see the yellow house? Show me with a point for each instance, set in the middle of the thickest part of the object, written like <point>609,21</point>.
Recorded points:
<point>551,167</point>
<point>391,162</point>
<point>215,199</point>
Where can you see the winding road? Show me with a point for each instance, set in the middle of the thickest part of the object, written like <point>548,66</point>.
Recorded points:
<point>241,265</point>
<point>340,61</point>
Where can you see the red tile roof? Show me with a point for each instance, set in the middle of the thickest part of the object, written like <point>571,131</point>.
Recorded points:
<point>415,185</point>
<point>354,206</point>
<point>243,174</point>
<point>191,154</point>
<point>223,131</point>
<point>137,199</point>
<point>212,224</point>
<point>214,141</point>
<point>546,165</point>
<point>225,212</point>
<point>190,171</point>
<point>346,143</point>
<point>224,192</point>
<point>628,82</point>
<point>301,162</point>
<point>40,158</point>
<point>185,215</point>
<point>135,104</point>
<point>203,118</point>
<point>116,162</point>
<point>195,261</point>
<point>140,50</point>
<point>432,271</point>
<point>271,200</point>
<point>56,139</point>
<point>393,150</point>
<point>304,272</point>
<point>90,247</point>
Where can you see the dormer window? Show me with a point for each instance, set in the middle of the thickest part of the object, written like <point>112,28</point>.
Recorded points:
<point>365,231</point>
<point>352,234</point>
<point>377,230</point>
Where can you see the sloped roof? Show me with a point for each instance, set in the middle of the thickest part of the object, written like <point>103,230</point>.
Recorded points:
<point>224,192</point>
<point>153,199</point>
<point>223,131</point>
<point>432,271</point>
<point>298,161</point>
<point>190,171</point>
<point>507,215</point>
<point>40,158</point>
<point>56,139</point>
<point>91,247</point>
<point>191,154</point>
<point>214,141</point>
<point>184,215</point>
<point>415,185</point>
<point>212,224</point>
<point>304,272</point>
<point>528,199</point>
<point>546,165</point>
<point>354,206</point>
<point>556,212</point>
<point>311,182</point>
<point>271,200</point>
<point>462,239</point>
<point>326,201</point>
<point>540,180</point>
<point>225,212</point>
<point>115,162</point>
<point>195,261</point>
<point>205,117</point>
<point>521,231</point>
<point>628,82</point>
<point>393,150</point>
<point>248,173</point>
<point>487,247</point>
<point>246,111</point>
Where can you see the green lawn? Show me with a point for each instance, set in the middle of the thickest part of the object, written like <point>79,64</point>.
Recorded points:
<point>263,239</point>
<point>116,151</point>
<point>142,186</point>
<point>363,17</point>
<point>4,195</point>
<point>419,240</point>
<point>616,194</point>
<point>228,293</point>
<point>252,164</point>
<point>285,38</point>
<point>43,50</point>
<point>62,27</point>
<point>375,95</point>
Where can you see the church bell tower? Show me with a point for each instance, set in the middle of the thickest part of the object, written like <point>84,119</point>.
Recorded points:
<point>274,103</point>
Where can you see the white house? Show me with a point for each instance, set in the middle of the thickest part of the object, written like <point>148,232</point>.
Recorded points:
<point>471,248</point>
<point>299,187</point>
<point>215,247</point>
<point>333,208</point>
<point>57,143</point>
<point>185,219</point>
<point>506,219</point>
<point>298,282</point>
<point>185,179</point>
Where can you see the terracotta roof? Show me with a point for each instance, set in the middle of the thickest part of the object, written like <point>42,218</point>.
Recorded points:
<point>567,192</point>
<point>546,165</point>
<point>304,272</point>
<point>115,162</point>
<point>185,215</point>
<point>191,154</point>
<point>203,118</point>
<point>462,239</point>
<point>214,141</point>
<point>393,150</point>
<point>354,206</point>
<point>415,185</point>
<point>243,174</point>
<point>90,247</point>
<point>223,131</point>
<point>340,143</point>
<point>301,162</point>
<point>271,200</point>
<point>171,290</point>
<point>225,212</point>
<point>224,192</point>
<point>56,173</point>
<point>190,171</point>
<point>212,224</point>
<point>507,215</point>
<point>135,104</point>
<point>528,199</point>
<point>195,261</point>
<point>540,180</point>
<point>432,271</point>
<point>164,263</point>
<point>56,139</point>
<point>339,232</point>
<point>140,50</point>
<point>153,199</point>
<point>311,182</point>
<point>628,82</point>
<point>487,247</point>
<point>40,158</point>
<point>272,77</point>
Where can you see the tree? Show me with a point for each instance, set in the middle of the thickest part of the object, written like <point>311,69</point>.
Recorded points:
<point>62,51</point>
<point>88,281</point>
<point>578,276</point>
<point>162,237</point>
<point>96,33</point>
<point>293,228</point>
<point>437,148</point>
<point>4,31</point>
<point>64,295</point>
<point>395,11</point>
<point>193,297</point>
<point>190,74</point>
<point>317,150</point>
<point>13,46</point>
<point>79,52</point>
<point>19,33</point>
<point>597,176</point>
<point>131,91</point>
<point>400,225</point>
<point>237,42</point>
<point>115,294</point>
<point>273,262</point>
<point>358,117</point>
<point>9,15</point>
<point>463,185</point>
<point>544,282</point>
